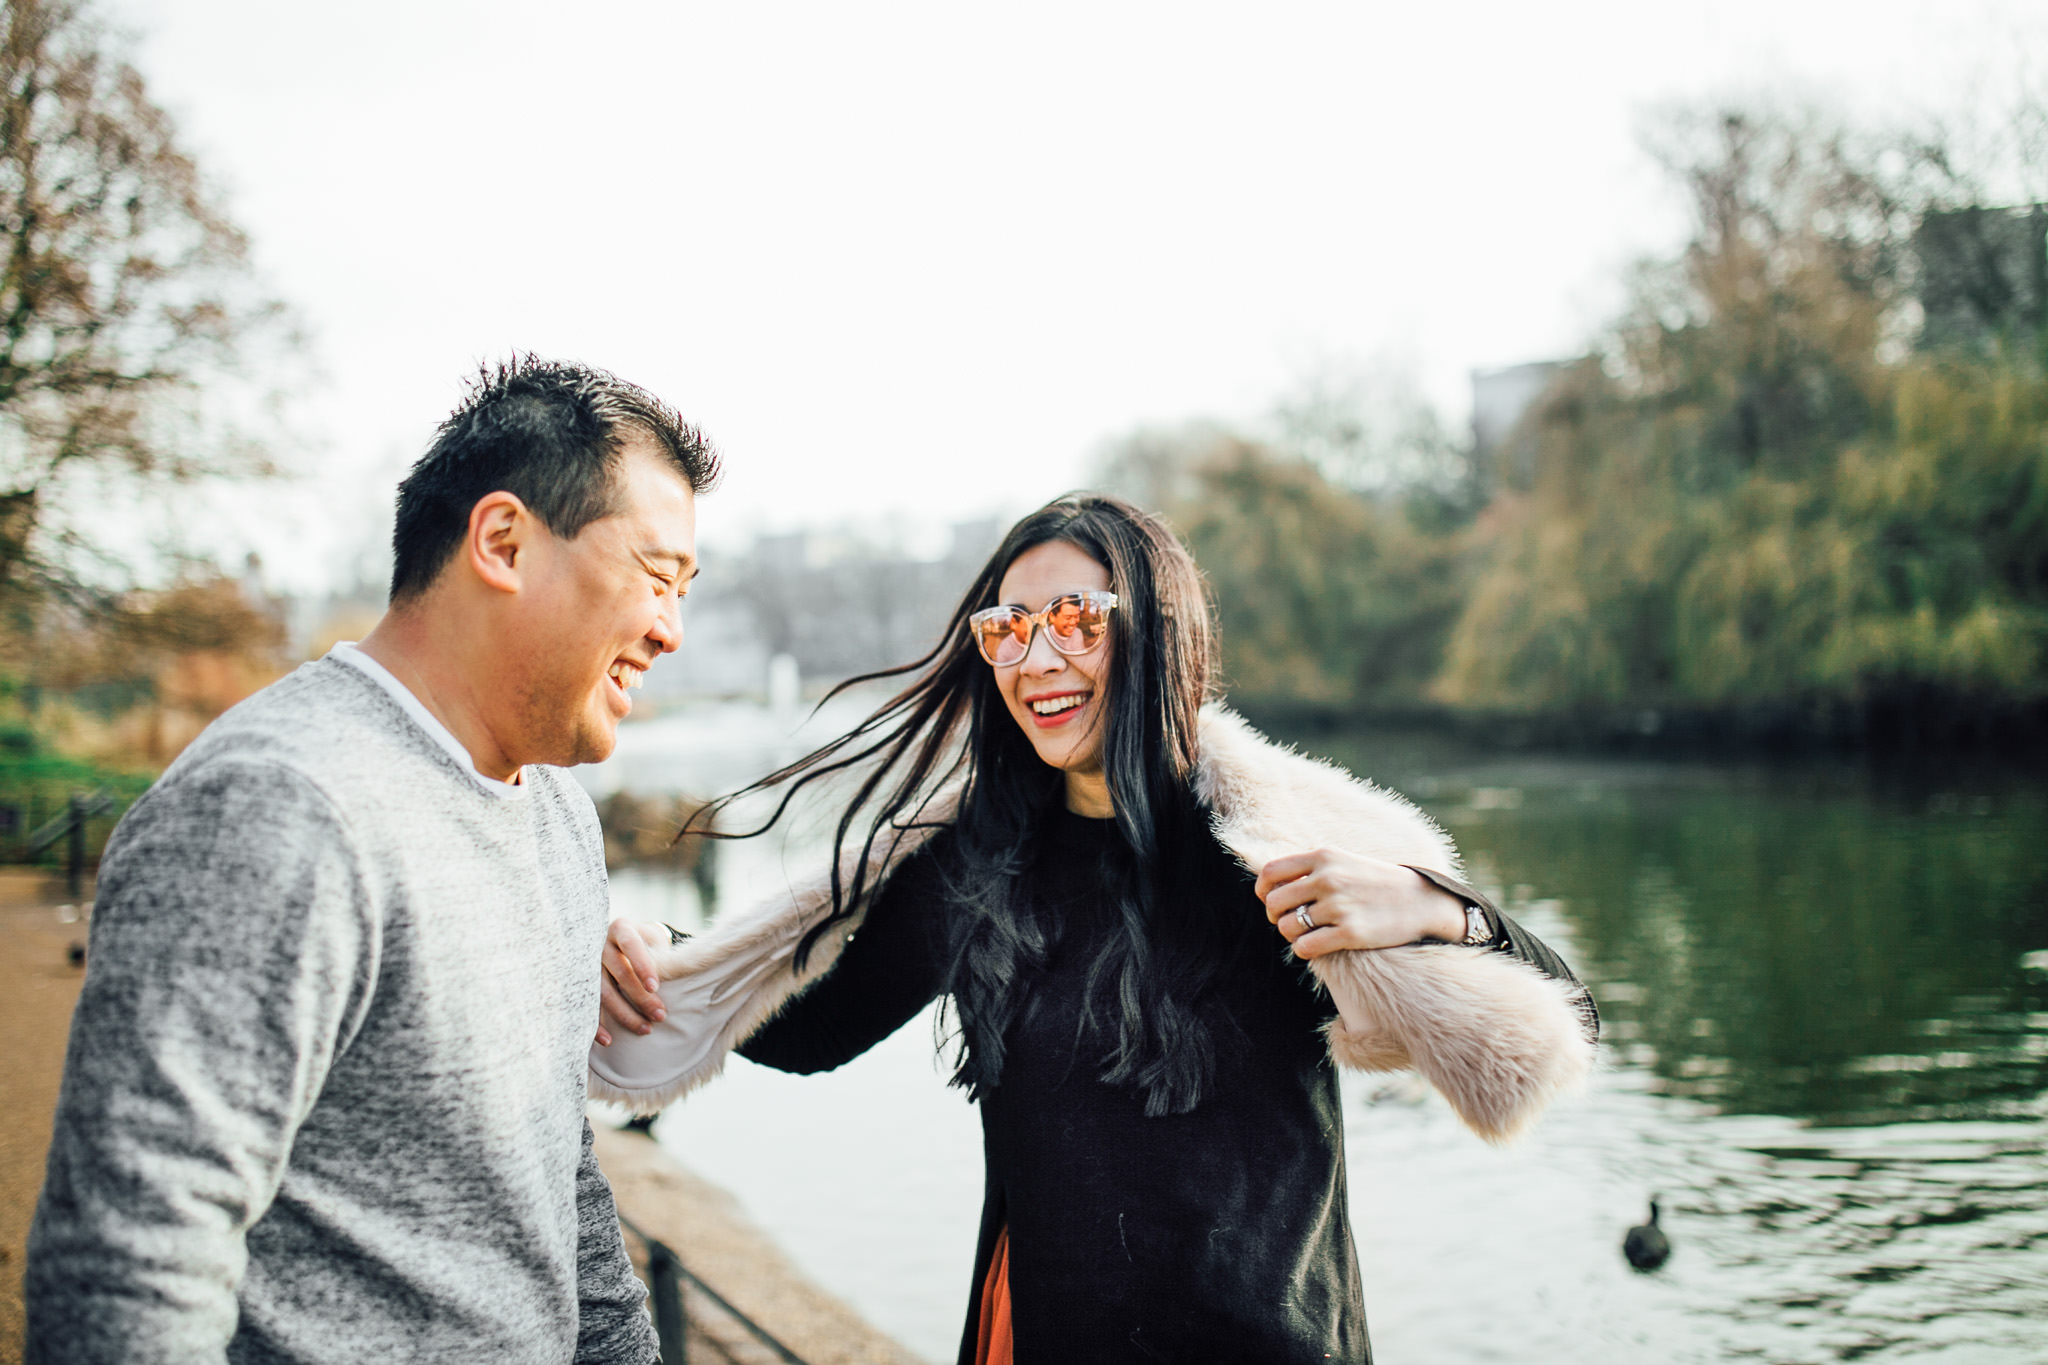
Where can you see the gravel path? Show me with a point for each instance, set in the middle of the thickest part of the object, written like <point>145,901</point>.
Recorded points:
<point>38,986</point>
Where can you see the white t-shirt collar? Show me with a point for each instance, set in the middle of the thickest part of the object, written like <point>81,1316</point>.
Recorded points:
<point>347,652</point>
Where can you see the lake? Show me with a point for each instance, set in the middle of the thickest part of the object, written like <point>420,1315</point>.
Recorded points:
<point>1825,995</point>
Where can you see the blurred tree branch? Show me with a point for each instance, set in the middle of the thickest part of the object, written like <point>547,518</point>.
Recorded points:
<point>126,295</point>
<point>1371,429</point>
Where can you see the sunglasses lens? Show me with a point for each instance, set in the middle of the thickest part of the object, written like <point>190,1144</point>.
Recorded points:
<point>1073,624</point>
<point>1002,635</point>
<point>1076,624</point>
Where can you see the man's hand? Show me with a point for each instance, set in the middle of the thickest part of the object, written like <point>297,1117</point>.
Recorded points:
<point>1328,899</point>
<point>630,996</point>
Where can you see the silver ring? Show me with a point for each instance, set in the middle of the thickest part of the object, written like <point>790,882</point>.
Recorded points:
<point>1301,913</point>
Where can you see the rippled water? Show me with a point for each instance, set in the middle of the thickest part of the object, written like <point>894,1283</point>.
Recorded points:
<point>1826,996</point>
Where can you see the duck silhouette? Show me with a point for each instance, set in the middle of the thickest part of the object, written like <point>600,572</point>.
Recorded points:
<point>1647,1247</point>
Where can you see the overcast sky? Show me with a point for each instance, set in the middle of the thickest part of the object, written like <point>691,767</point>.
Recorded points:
<point>925,259</point>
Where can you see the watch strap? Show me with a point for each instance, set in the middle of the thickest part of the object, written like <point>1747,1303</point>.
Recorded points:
<point>1495,934</point>
<point>1478,929</point>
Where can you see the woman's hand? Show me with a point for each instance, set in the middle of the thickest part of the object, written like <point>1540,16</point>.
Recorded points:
<point>630,988</point>
<point>1328,899</point>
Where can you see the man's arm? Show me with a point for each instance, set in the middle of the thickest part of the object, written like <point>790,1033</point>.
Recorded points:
<point>233,953</point>
<point>612,1325</point>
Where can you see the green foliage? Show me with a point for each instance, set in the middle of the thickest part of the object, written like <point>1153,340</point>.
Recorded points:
<point>35,785</point>
<point>1762,498</point>
<point>1325,599</point>
<point>1649,568</point>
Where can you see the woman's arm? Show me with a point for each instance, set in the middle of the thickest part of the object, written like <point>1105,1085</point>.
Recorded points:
<point>1498,1033</point>
<point>1329,901</point>
<point>891,968</point>
<point>1511,939</point>
<point>731,982</point>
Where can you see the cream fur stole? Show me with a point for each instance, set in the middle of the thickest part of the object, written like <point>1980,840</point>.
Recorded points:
<point>1495,1036</point>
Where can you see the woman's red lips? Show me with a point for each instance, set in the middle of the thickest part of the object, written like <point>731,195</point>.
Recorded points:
<point>1047,721</point>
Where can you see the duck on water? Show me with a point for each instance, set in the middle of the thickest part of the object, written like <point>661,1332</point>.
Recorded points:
<point>1646,1246</point>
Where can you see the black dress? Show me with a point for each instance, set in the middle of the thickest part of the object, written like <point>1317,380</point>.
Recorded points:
<point>1218,1235</point>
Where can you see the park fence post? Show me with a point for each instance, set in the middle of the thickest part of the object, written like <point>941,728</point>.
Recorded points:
<point>666,1290</point>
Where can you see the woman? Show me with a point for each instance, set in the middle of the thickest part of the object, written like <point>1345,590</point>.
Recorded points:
<point>1053,832</point>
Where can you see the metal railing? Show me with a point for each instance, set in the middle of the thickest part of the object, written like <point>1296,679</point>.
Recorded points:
<point>666,1275</point>
<point>80,808</point>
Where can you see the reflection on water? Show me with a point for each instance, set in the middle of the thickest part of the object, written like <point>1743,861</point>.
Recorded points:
<point>1831,959</point>
<point>1826,1000</point>
<point>1833,992</point>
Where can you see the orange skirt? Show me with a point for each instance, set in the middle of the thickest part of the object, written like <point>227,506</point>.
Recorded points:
<point>994,1343</point>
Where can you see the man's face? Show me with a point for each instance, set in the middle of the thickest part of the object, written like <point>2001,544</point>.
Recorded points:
<point>604,606</point>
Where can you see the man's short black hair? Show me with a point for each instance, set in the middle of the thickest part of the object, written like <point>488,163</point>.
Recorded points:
<point>546,431</point>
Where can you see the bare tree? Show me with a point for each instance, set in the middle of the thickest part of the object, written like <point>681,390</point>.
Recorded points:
<point>127,296</point>
<point>1370,428</point>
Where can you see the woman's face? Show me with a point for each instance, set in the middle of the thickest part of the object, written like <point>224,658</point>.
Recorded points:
<point>1060,701</point>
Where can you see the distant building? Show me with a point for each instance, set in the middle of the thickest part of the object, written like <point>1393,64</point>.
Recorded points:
<point>835,606</point>
<point>1983,274</point>
<point>722,653</point>
<point>1500,399</point>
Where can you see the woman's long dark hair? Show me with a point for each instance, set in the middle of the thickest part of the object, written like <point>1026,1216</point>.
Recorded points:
<point>951,721</point>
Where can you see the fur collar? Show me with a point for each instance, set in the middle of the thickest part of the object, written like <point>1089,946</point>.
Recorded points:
<point>1498,1038</point>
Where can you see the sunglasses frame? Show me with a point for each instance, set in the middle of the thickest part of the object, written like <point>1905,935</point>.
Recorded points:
<point>1106,600</point>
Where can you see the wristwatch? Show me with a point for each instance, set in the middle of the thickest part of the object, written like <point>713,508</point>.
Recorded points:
<point>1478,929</point>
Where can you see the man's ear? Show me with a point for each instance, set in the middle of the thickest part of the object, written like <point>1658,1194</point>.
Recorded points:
<point>500,540</point>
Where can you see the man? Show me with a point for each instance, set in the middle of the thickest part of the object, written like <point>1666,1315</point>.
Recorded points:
<point>325,1091</point>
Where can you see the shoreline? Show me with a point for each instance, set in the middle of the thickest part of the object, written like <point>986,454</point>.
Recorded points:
<point>719,1243</point>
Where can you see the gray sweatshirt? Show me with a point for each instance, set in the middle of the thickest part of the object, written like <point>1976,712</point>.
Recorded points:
<point>325,1090</point>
